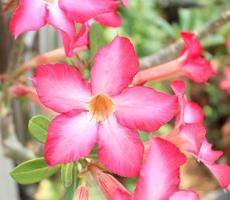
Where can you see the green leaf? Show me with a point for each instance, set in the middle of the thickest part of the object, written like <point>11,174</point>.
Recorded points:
<point>32,171</point>
<point>68,174</point>
<point>38,126</point>
<point>96,39</point>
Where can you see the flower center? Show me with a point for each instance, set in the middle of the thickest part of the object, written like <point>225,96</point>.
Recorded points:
<point>101,107</point>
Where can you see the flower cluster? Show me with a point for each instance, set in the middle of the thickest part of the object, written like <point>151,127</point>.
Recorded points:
<point>106,112</point>
<point>63,16</point>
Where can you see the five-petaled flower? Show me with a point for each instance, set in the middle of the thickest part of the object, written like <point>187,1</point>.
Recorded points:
<point>62,15</point>
<point>190,64</point>
<point>160,175</point>
<point>105,111</point>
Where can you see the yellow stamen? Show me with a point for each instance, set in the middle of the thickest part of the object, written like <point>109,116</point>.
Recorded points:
<point>101,107</point>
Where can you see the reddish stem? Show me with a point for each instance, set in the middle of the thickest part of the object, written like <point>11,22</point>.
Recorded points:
<point>161,72</point>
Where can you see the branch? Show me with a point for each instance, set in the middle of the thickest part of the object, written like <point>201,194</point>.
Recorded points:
<point>171,51</point>
<point>13,149</point>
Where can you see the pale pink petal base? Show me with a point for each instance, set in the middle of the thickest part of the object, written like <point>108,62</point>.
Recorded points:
<point>120,148</point>
<point>59,20</point>
<point>70,137</point>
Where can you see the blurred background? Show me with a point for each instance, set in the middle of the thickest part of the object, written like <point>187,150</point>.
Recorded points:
<point>152,26</point>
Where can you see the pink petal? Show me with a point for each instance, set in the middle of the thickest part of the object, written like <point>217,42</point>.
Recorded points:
<point>222,174</point>
<point>83,10</point>
<point>144,108</point>
<point>159,177</point>
<point>178,87</point>
<point>125,2</point>
<point>193,113</point>
<point>70,136</point>
<point>193,47</point>
<point>58,19</point>
<point>184,195</point>
<point>61,87</point>
<point>122,195</point>
<point>120,148</point>
<point>194,135</point>
<point>207,155</point>
<point>195,67</point>
<point>28,16</point>
<point>82,38</point>
<point>198,70</point>
<point>114,67</point>
<point>109,19</point>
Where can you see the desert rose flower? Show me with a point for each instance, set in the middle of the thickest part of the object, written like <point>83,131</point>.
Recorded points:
<point>32,15</point>
<point>189,136</point>
<point>225,83</point>
<point>190,64</point>
<point>105,112</point>
<point>160,175</point>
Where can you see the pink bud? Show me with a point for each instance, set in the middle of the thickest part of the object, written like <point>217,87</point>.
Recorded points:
<point>19,90</point>
<point>106,182</point>
<point>82,193</point>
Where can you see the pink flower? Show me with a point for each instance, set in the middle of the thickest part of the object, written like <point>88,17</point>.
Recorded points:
<point>225,83</point>
<point>190,64</point>
<point>105,112</point>
<point>160,175</point>
<point>189,135</point>
<point>32,15</point>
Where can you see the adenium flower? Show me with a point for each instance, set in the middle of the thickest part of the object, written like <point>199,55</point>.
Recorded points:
<point>190,64</point>
<point>225,83</point>
<point>32,15</point>
<point>160,175</point>
<point>189,136</point>
<point>105,112</point>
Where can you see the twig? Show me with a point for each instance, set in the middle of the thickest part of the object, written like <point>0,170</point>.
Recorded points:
<point>171,51</point>
<point>12,147</point>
